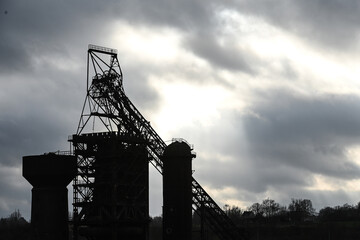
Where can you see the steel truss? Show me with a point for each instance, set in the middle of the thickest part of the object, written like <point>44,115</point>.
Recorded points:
<point>111,188</point>
<point>107,104</point>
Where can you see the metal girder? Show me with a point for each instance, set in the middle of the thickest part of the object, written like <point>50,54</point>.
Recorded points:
<point>107,103</point>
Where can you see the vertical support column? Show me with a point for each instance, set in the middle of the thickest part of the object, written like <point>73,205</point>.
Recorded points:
<point>177,194</point>
<point>49,175</point>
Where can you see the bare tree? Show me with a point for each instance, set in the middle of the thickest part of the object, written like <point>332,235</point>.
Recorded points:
<point>270,208</point>
<point>15,215</point>
<point>256,209</point>
<point>300,209</point>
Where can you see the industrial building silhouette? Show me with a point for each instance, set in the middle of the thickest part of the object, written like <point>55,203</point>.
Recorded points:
<point>49,174</point>
<point>109,164</point>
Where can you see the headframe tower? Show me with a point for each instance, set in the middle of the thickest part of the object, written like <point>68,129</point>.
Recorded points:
<point>111,126</point>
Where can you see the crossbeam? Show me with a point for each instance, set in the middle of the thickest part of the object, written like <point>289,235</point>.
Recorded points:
<point>100,49</point>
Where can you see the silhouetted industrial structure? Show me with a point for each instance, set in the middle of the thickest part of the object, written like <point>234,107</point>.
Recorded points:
<point>112,187</point>
<point>49,174</point>
<point>177,196</point>
<point>113,145</point>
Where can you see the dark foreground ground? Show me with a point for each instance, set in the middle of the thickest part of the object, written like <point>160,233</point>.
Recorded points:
<point>255,231</point>
<point>269,231</point>
<point>318,231</point>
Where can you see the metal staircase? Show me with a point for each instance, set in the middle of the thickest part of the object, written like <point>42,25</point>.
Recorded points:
<point>107,102</point>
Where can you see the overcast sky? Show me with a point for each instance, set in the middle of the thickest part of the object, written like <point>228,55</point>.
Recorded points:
<point>267,91</point>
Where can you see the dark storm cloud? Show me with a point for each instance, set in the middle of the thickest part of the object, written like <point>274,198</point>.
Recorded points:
<point>43,70</point>
<point>60,30</point>
<point>319,198</point>
<point>246,176</point>
<point>12,57</point>
<point>35,130</point>
<point>325,24</point>
<point>278,143</point>
<point>187,15</point>
<point>46,25</point>
<point>32,29</point>
<point>37,27</point>
<point>35,35</point>
<point>138,89</point>
<point>333,23</point>
<point>228,56</point>
<point>198,21</point>
<point>285,139</point>
<point>15,192</point>
<point>37,121</point>
<point>309,133</point>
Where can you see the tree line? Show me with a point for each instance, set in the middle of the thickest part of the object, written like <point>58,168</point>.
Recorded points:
<point>14,227</point>
<point>298,210</point>
<point>265,220</point>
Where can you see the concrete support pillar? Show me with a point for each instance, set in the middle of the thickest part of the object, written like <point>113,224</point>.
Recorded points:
<point>49,175</point>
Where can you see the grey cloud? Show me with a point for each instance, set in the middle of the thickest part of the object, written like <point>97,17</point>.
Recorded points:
<point>31,29</point>
<point>31,134</point>
<point>41,95</point>
<point>228,56</point>
<point>288,70</point>
<point>43,99</point>
<point>243,175</point>
<point>13,57</point>
<point>187,15</point>
<point>278,144</point>
<point>308,133</point>
<point>331,23</point>
<point>317,21</point>
<point>15,192</point>
<point>45,27</point>
<point>22,134</point>
<point>197,20</point>
<point>319,198</point>
<point>139,90</point>
<point>36,117</point>
<point>297,134</point>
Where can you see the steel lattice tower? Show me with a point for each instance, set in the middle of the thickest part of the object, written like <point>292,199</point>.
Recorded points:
<point>112,122</point>
<point>111,187</point>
